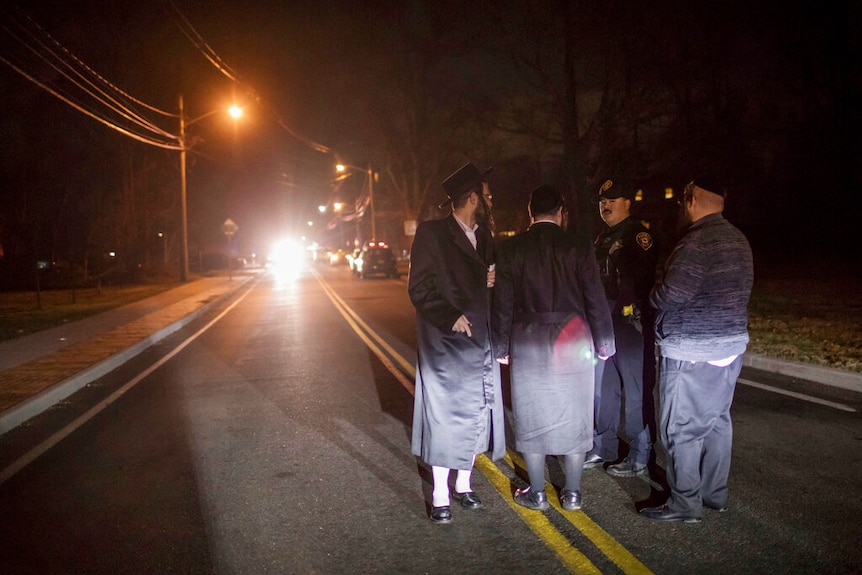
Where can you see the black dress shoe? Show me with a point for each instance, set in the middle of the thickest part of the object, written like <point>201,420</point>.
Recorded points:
<point>570,500</point>
<point>664,513</point>
<point>468,500</point>
<point>536,500</point>
<point>441,514</point>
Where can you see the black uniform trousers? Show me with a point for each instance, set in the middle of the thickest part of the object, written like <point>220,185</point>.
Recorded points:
<point>623,378</point>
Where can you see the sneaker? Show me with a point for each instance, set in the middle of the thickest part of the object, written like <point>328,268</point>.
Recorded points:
<point>593,460</point>
<point>627,468</point>
<point>536,500</point>
<point>571,500</point>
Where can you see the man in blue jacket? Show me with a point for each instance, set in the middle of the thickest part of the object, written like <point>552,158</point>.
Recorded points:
<point>702,332</point>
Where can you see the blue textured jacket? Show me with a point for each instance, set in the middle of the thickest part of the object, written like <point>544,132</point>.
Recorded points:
<point>702,302</point>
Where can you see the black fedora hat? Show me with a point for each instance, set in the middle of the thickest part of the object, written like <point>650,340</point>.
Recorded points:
<point>461,181</point>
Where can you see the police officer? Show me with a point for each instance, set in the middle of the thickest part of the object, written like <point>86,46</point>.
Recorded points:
<point>626,255</point>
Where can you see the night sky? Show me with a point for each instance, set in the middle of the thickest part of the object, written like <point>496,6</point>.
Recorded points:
<point>766,95</point>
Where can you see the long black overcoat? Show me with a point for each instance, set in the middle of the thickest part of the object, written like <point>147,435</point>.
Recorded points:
<point>551,317</point>
<point>456,375</point>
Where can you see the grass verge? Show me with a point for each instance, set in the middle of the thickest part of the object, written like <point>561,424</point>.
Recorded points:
<point>21,314</point>
<point>807,319</point>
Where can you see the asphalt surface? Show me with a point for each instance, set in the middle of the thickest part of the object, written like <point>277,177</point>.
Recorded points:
<point>41,369</point>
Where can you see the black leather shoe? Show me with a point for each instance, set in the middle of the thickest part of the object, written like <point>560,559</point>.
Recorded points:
<point>468,500</point>
<point>593,460</point>
<point>441,514</point>
<point>570,500</point>
<point>536,500</point>
<point>664,513</point>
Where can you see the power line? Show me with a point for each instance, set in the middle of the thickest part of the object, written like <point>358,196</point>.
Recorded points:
<point>211,55</point>
<point>87,112</point>
<point>36,44</point>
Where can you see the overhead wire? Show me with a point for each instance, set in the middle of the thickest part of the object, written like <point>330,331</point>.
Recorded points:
<point>60,63</point>
<point>102,96</point>
<point>210,54</point>
<point>88,112</point>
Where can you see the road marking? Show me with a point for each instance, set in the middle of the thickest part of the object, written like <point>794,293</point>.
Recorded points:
<point>365,331</point>
<point>795,395</point>
<point>57,437</point>
<point>569,555</point>
<point>612,549</point>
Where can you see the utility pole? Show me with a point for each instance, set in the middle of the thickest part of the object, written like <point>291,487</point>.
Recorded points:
<point>371,201</point>
<point>184,252</point>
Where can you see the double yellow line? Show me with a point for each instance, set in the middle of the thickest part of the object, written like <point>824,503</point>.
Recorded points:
<point>568,554</point>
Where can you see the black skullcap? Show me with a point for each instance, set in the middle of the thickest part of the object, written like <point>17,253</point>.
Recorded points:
<point>712,184</point>
<point>545,200</point>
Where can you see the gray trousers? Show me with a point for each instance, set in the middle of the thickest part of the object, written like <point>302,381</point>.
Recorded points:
<point>696,431</point>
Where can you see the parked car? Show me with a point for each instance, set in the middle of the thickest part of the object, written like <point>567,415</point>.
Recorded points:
<point>376,259</point>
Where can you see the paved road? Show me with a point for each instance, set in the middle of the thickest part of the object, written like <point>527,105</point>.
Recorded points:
<point>274,437</point>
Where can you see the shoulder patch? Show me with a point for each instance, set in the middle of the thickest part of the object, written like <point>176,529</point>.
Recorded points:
<point>644,240</point>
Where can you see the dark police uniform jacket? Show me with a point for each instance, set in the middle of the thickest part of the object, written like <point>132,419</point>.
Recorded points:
<point>627,258</point>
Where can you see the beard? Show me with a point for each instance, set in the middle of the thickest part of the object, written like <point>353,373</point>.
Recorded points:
<point>484,216</point>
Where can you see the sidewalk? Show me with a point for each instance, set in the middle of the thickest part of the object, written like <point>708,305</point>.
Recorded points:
<point>41,369</point>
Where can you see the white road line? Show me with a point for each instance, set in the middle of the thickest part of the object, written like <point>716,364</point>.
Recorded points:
<point>795,395</point>
<point>57,437</point>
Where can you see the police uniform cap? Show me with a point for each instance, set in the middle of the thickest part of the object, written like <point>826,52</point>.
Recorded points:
<point>615,188</point>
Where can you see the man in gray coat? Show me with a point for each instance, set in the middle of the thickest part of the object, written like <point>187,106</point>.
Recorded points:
<point>702,332</point>
<point>458,406</point>
<point>551,320</point>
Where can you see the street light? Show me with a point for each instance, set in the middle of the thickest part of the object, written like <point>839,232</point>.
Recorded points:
<point>235,112</point>
<point>337,207</point>
<point>370,173</point>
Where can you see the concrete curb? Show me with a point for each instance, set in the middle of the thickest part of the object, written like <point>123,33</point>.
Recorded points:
<point>826,375</point>
<point>35,405</point>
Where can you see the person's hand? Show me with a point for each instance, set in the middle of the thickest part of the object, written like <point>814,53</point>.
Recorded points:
<point>492,275</point>
<point>462,324</point>
<point>503,360</point>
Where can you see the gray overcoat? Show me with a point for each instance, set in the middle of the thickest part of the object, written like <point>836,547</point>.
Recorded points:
<point>551,317</point>
<point>457,379</point>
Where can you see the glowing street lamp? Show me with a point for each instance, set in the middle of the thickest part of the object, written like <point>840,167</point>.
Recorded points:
<point>235,112</point>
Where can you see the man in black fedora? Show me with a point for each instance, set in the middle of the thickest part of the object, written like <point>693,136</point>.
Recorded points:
<point>458,405</point>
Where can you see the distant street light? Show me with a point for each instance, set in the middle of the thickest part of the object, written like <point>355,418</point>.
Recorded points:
<point>235,112</point>
<point>341,168</point>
